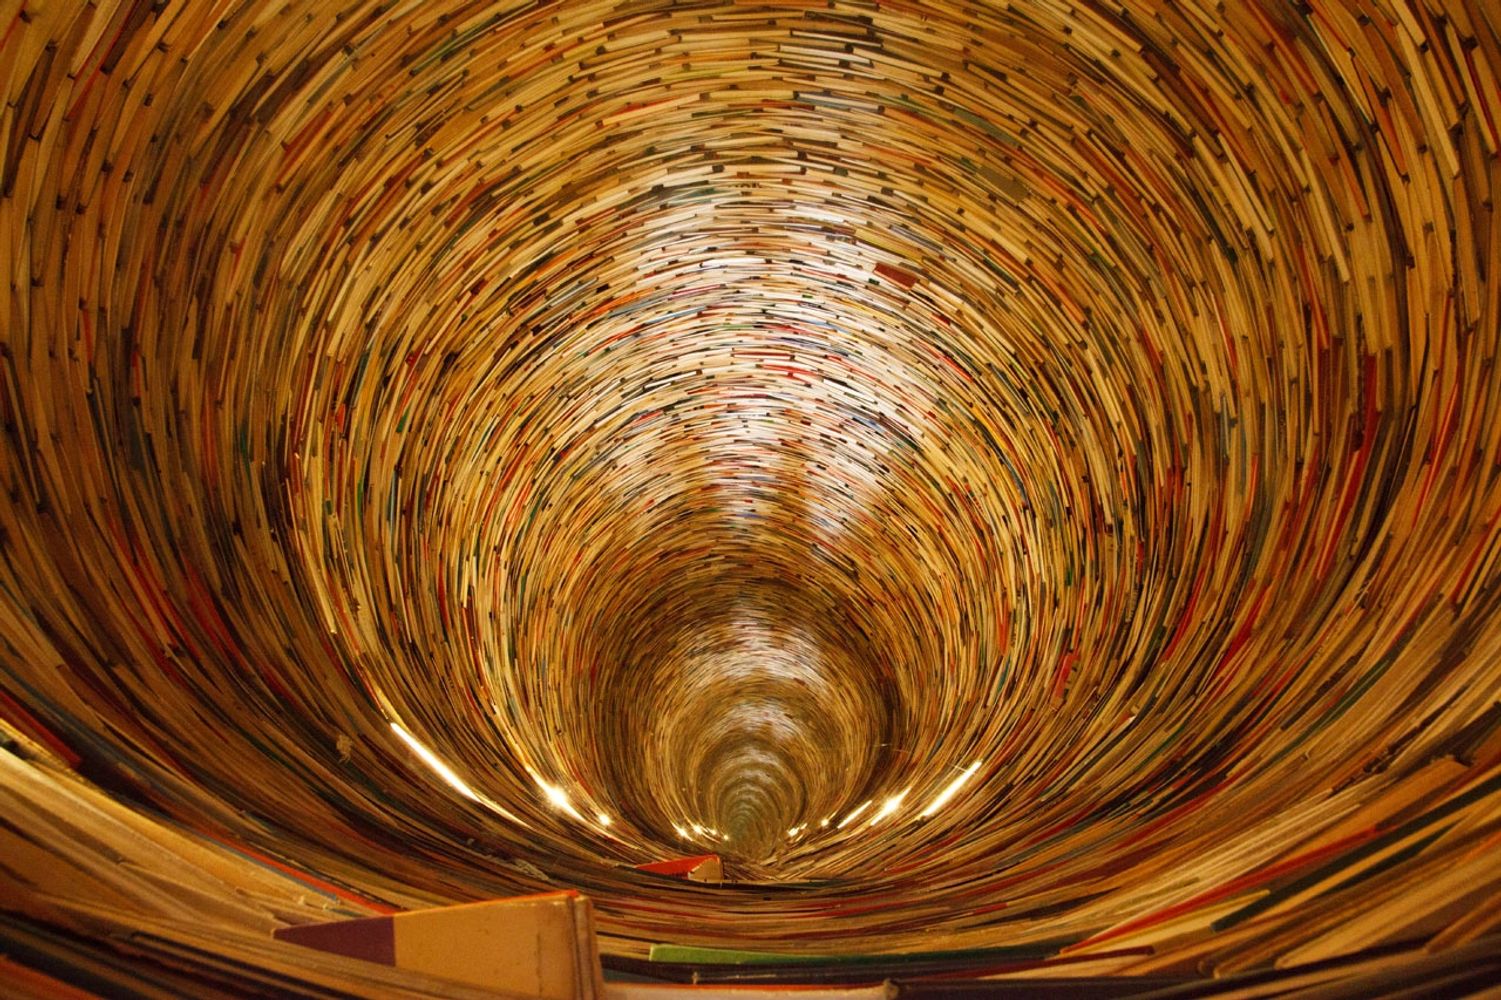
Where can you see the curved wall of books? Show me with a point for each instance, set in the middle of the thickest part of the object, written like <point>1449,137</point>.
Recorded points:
<point>1016,472</point>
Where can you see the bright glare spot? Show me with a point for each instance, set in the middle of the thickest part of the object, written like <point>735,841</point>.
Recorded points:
<point>446,773</point>
<point>889,806</point>
<point>943,797</point>
<point>858,810</point>
<point>559,799</point>
<point>603,819</point>
<point>431,760</point>
<point>681,832</point>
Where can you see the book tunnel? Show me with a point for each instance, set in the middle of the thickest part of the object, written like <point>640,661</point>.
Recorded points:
<point>1018,484</point>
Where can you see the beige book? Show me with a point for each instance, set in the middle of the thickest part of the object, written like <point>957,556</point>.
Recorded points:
<point>542,946</point>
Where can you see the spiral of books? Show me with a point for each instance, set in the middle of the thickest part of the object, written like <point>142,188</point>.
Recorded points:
<point>998,475</point>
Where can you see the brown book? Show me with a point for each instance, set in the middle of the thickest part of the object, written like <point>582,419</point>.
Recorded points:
<point>539,945</point>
